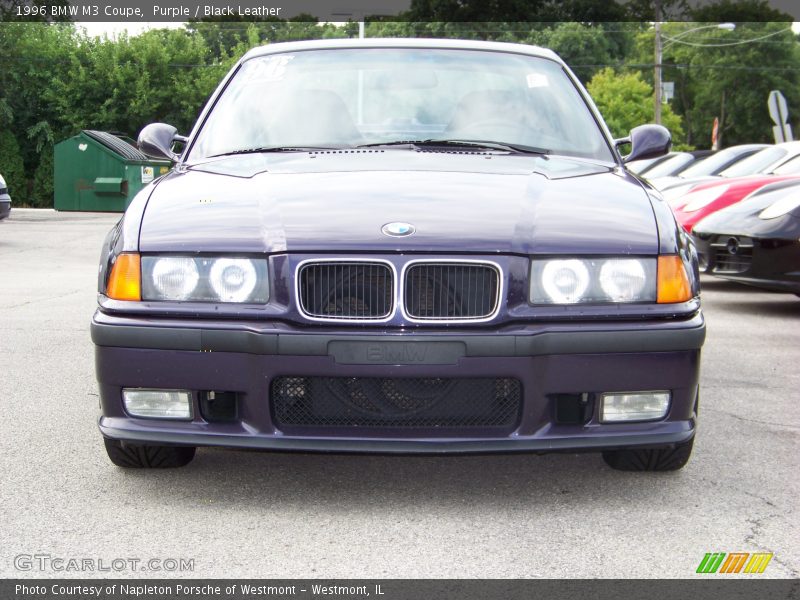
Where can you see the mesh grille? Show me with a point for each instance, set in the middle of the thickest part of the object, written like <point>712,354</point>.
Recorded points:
<point>346,290</point>
<point>396,402</point>
<point>450,291</point>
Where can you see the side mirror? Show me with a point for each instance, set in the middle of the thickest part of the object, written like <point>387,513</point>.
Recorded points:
<point>156,140</point>
<point>647,141</point>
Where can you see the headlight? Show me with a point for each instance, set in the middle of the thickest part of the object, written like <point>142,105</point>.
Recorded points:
<point>233,279</point>
<point>565,281</point>
<point>204,279</point>
<point>172,278</point>
<point>623,280</point>
<point>700,199</point>
<point>573,280</point>
<point>783,206</point>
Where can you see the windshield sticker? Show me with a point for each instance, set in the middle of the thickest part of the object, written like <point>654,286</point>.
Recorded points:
<point>537,80</point>
<point>272,68</point>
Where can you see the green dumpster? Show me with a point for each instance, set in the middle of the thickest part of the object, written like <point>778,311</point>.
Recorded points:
<point>99,171</point>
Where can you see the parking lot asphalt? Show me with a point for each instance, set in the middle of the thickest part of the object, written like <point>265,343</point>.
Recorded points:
<point>253,514</point>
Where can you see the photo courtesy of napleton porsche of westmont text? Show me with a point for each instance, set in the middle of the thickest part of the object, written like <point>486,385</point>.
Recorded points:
<point>136,590</point>
<point>410,299</point>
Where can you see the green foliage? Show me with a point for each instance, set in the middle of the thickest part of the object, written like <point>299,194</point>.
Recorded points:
<point>42,190</point>
<point>515,11</point>
<point>625,101</point>
<point>12,168</point>
<point>727,74</point>
<point>41,136</point>
<point>55,80</point>
<point>32,59</point>
<point>223,34</point>
<point>585,49</point>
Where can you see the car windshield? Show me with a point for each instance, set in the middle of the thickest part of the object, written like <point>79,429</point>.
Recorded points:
<point>790,167</point>
<point>670,166</point>
<point>756,163</point>
<point>353,97</point>
<point>711,165</point>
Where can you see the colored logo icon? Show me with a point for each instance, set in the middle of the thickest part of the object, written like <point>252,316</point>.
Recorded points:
<point>734,562</point>
<point>398,229</point>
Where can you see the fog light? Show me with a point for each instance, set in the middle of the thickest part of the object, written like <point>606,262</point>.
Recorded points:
<point>158,404</point>
<point>634,406</point>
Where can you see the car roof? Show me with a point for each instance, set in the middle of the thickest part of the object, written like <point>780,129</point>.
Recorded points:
<point>451,44</point>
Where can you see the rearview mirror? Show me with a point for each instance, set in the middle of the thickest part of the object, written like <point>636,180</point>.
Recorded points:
<point>156,140</point>
<point>647,141</point>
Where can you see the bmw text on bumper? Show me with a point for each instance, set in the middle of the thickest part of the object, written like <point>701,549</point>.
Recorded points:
<point>401,271</point>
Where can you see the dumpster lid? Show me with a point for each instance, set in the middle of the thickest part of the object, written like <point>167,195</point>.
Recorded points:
<point>114,143</point>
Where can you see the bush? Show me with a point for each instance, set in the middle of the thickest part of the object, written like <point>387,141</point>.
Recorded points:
<point>42,192</point>
<point>12,168</point>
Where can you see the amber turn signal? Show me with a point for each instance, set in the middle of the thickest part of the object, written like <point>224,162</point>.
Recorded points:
<point>124,281</point>
<point>673,282</point>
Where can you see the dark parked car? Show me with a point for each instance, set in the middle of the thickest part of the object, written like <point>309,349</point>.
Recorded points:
<point>777,159</point>
<point>5,199</point>
<point>410,246</point>
<point>708,167</point>
<point>641,166</point>
<point>756,241</point>
<point>676,164</point>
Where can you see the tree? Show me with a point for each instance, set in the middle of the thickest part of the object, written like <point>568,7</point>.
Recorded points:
<point>625,101</point>
<point>32,58</point>
<point>223,34</point>
<point>586,49</point>
<point>726,74</point>
<point>12,167</point>
<point>514,11</point>
<point>43,186</point>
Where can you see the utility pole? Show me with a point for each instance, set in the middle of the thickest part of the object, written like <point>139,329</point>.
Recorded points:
<point>657,72</point>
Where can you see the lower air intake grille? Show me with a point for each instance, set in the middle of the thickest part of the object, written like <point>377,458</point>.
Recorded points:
<point>731,254</point>
<point>451,291</point>
<point>346,290</point>
<point>396,402</point>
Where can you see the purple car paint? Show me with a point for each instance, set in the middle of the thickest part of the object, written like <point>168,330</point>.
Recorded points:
<point>432,278</point>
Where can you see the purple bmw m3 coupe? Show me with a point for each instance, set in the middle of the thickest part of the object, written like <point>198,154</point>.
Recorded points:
<point>399,246</point>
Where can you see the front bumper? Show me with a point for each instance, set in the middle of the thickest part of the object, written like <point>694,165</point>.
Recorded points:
<point>549,360</point>
<point>767,263</point>
<point>5,207</point>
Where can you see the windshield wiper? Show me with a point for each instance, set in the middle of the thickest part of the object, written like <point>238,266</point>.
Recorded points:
<point>521,148</point>
<point>265,149</point>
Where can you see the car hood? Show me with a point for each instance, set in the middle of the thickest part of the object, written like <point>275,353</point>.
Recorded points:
<point>743,218</point>
<point>338,201</point>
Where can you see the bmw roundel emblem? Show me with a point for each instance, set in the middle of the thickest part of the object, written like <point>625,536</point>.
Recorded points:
<point>398,229</point>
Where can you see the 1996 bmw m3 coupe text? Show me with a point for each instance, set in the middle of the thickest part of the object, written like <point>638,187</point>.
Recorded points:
<point>412,246</point>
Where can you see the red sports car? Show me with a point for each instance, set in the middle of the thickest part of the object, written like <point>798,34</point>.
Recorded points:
<point>711,196</point>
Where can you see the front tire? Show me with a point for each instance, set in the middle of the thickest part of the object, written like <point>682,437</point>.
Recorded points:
<point>650,459</point>
<point>133,456</point>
